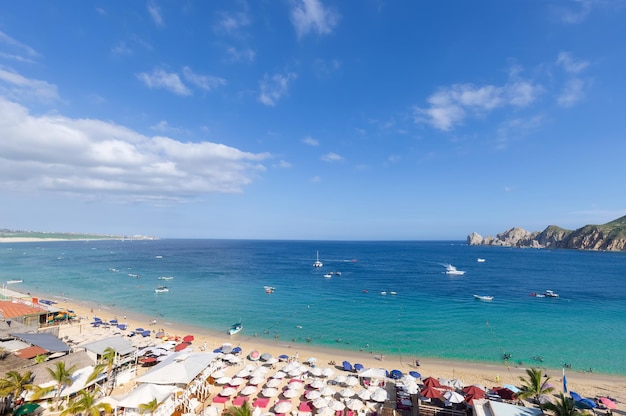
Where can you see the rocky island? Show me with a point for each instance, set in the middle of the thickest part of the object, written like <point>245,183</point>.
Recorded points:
<point>609,237</point>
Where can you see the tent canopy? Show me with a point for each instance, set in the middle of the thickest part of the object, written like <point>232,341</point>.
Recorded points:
<point>46,341</point>
<point>144,393</point>
<point>373,373</point>
<point>178,368</point>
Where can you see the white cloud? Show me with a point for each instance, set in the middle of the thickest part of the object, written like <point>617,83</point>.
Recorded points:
<point>205,82</point>
<point>275,87</point>
<point>310,141</point>
<point>284,164</point>
<point>18,87</point>
<point>231,23</point>
<point>167,80</point>
<point>155,13</point>
<point>316,179</point>
<point>449,106</point>
<point>577,13</point>
<point>570,64</point>
<point>573,92</point>
<point>122,49</point>
<point>332,157</point>
<point>240,55</point>
<point>311,16</point>
<point>19,48</point>
<point>95,159</point>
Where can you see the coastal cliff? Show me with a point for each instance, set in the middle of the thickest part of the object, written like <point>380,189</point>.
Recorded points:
<point>610,237</point>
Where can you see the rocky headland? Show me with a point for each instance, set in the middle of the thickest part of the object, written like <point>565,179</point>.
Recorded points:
<point>609,237</point>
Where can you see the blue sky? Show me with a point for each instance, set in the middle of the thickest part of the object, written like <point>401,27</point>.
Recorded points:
<point>311,119</point>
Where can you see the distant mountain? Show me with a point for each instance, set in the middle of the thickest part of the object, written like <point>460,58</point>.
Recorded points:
<point>610,237</point>
<point>7,234</point>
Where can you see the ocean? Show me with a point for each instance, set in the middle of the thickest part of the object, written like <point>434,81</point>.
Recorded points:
<point>219,282</point>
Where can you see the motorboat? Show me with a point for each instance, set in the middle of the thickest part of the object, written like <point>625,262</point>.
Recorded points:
<point>161,289</point>
<point>484,298</point>
<point>269,289</point>
<point>480,260</point>
<point>537,295</point>
<point>393,293</point>
<point>328,275</point>
<point>166,277</point>
<point>551,294</point>
<point>318,263</point>
<point>10,282</point>
<point>383,293</point>
<point>450,269</point>
<point>336,273</point>
<point>235,328</point>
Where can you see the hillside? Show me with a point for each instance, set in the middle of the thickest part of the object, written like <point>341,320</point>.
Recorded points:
<point>7,235</point>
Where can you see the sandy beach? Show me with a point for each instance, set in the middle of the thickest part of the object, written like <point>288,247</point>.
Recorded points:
<point>586,384</point>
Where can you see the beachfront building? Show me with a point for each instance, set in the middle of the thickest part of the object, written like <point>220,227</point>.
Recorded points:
<point>484,407</point>
<point>27,314</point>
<point>125,362</point>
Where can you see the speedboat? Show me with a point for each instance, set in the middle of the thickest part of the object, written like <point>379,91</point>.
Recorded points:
<point>328,275</point>
<point>484,298</point>
<point>551,294</point>
<point>450,269</point>
<point>537,295</point>
<point>318,263</point>
<point>161,289</point>
<point>480,260</point>
<point>235,328</point>
<point>166,277</point>
<point>269,289</point>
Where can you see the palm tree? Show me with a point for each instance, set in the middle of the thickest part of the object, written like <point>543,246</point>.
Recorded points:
<point>534,385</point>
<point>85,403</point>
<point>564,406</point>
<point>108,358</point>
<point>63,377</point>
<point>151,406</point>
<point>244,410</point>
<point>15,383</point>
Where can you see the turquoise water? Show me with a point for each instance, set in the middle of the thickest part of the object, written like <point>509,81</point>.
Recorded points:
<point>432,315</point>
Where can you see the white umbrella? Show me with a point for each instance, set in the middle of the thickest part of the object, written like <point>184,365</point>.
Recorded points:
<point>295,385</point>
<point>256,380</point>
<point>354,404</point>
<point>291,393</point>
<point>364,394</point>
<point>223,380</point>
<point>457,384</point>
<point>272,361</point>
<point>320,402</point>
<point>327,372</point>
<point>212,411</point>
<point>340,379</point>
<point>325,411</point>
<point>218,373</point>
<point>453,397</point>
<point>315,371</point>
<point>336,405</point>
<point>274,382</point>
<point>327,391</point>
<point>237,381</point>
<point>311,360</point>
<point>269,392</point>
<point>243,373</point>
<point>282,407</point>
<point>347,392</point>
<point>313,394</point>
<point>317,384</point>
<point>351,381</point>
<point>379,395</point>
<point>228,391</point>
<point>234,360</point>
<point>287,368</point>
<point>228,357</point>
<point>295,372</point>
<point>279,374</point>
<point>248,390</point>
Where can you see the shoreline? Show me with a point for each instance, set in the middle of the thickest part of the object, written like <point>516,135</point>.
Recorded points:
<point>486,374</point>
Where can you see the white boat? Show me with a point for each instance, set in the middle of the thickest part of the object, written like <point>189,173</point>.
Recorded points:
<point>235,328</point>
<point>484,298</point>
<point>480,260</point>
<point>393,293</point>
<point>269,289</point>
<point>383,293</point>
<point>450,269</point>
<point>161,289</point>
<point>10,282</point>
<point>318,263</point>
<point>328,275</point>
<point>551,294</point>
<point>166,277</point>
<point>158,257</point>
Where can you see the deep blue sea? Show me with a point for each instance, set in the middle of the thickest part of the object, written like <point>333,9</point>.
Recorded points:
<point>218,282</point>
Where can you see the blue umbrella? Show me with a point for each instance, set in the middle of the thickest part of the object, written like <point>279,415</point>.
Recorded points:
<point>415,374</point>
<point>585,404</point>
<point>396,374</point>
<point>358,367</point>
<point>346,366</point>
<point>217,350</point>
<point>575,396</point>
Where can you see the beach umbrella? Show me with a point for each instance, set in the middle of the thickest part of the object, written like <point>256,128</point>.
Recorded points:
<point>228,391</point>
<point>256,380</point>
<point>516,390</point>
<point>227,347</point>
<point>358,367</point>
<point>313,394</point>
<point>266,356</point>
<point>430,392</point>
<point>476,391</point>
<point>351,381</point>
<point>212,411</point>
<point>325,411</point>
<point>354,404</point>
<point>347,392</point>
<point>269,392</point>
<point>585,404</point>
<point>396,374</point>
<point>234,359</point>
<point>295,385</point>
<point>453,397</point>
<point>469,398</point>
<point>320,402</point>
<point>228,357</point>
<point>283,357</point>
<point>26,409</point>
<point>458,384</point>
<point>505,393</point>
<point>279,375</point>
<point>188,338</point>
<point>327,372</point>
<point>340,379</point>
<point>259,371</point>
<point>218,373</point>
<point>254,355</point>
<point>575,396</point>
<point>272,360</point>
<point>248,390</point>
<point>237,381</point>
<point>243,373</point>
<point>379,395</point>
<point>291,393</point>
<point>295,372</point>
<point>346,366</point>
<point>311,360</point>
<point>223,380</point>
<point>327,391</point>
<point>364,394</point>
<point>608,402</point>
<point>336,405</point>
<point>315,371</point>
<point>283,406</point>
<point>274,382</point>
<point>316,384</point>
<point>431,382</point>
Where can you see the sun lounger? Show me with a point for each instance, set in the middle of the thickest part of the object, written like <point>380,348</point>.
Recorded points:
<point>261,402</point>
<point>239,400</point>
<point>305,407</point>
<point>220,399</point>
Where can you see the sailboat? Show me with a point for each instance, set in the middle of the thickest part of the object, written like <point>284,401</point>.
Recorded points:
<point>318,263</point>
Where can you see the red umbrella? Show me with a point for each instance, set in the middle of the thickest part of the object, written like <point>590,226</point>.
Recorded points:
<point>431,382</point>
<point>148,360</point>
<point>474,390</point>
<point>188,338</point>
<point>430,392</point>
<point>181,346</point>
<point>608,402</point>
<point>469,398</point>
<point>505,393</point>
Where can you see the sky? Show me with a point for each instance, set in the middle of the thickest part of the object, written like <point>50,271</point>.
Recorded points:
<point>311,119</point>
